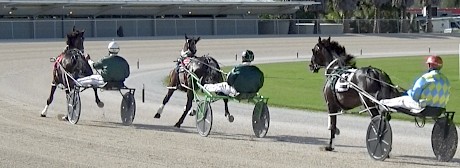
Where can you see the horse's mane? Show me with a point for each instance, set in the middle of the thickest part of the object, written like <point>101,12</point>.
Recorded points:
<point>335,46</point>
<point>344,58</point>
<point>347,60</point>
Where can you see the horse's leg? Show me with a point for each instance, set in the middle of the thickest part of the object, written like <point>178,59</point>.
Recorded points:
<point>334,131</point>
<point>227,112</point>
<point>190,97</point>
<point>99,103</point>
<point>173,80</point>
<point>50,99</point>
<point>165,100</point>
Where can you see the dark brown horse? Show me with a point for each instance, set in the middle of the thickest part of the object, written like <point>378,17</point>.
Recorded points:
<point>205,67</point>
<point>70,65</point>
<point>333,57</point>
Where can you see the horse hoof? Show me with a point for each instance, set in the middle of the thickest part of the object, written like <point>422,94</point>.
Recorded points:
<point>42,115</point>
<point>157,115</point>
<point>177,125</point>
<point>100,104</point>
<point>192,113</point>
<point>231,118</point>
<point>327,148</point>
<point>62,117</point>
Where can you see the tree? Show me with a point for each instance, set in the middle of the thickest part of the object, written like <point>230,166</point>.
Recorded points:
<point>318,11</point>
<point>402,5</point>
<point>346,7</point>
<point>377,4</point>
<point>429,15</point>
<point>450,3</point>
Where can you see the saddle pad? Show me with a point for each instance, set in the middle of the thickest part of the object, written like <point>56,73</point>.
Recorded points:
<point>342,84</point>
<point>186,61</point>
<point>58,60</point>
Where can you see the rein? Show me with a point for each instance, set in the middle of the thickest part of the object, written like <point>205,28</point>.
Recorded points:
<point>367,76</point>
<point>212,67</point>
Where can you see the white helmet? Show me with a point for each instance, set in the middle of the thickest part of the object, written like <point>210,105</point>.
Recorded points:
<point>113,47</point>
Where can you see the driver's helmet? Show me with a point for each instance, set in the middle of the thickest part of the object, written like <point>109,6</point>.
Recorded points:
<point>247,56</point>
<point>435,62</point>
<point>113,47</point>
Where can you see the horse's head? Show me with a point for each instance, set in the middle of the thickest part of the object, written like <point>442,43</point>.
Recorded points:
<point>74,63</point>
<point>190,46</point>
<point>325,51</point>
<point>75,39</point>
<point>321,56</point>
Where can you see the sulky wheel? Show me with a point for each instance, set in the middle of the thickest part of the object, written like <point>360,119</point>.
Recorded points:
<point>128,109</point>
<point>379,138</point>
<point>204,118</point>
<point>444,139</point>
<point>74,106</point>
<point>260,119</point>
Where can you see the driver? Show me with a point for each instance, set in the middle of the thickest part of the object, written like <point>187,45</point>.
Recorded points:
<point>431,89</point>
<point>114,68</point>
<point>244,78</point>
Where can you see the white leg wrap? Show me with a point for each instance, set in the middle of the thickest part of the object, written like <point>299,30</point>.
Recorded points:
<point>329,126</point>
<point>45,110</point>
<point>333,143</point>
<point>160,110</point>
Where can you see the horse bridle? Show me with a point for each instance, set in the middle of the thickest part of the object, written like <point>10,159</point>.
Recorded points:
<point>315,67</point>
<point>185,53</point>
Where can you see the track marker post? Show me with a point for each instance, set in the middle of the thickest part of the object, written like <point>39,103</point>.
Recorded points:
<point>143,93</point>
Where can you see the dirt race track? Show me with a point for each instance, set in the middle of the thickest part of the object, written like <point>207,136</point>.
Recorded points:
<point>99,140</point>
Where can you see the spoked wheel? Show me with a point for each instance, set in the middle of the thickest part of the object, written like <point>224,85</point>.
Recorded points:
<point>379,138</point>
<point>128,109</point>
<point>260,119</point>
<point>204,118</point>
<point>444,139</point>
<point>74,106</point>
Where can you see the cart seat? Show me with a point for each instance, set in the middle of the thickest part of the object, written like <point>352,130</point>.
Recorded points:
<point>114,85</point>
<point>428,111</point>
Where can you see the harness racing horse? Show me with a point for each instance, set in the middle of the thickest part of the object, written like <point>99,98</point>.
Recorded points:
<point>333,57</point>
<point>73,63</point>
<point>206,68</point>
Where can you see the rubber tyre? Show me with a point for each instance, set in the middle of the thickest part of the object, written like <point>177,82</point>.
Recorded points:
<point>73,106</point>
<point>444,146</point>
<point>128,109</point>
<point>260,119</point>
<point>204,118</point>
<point>379,138</point>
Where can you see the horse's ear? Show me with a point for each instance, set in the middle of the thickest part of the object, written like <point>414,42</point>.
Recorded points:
<point>186,37</point>
<point>329,39</point>
<point>198,39</point>
<point>319,39</point>
<point>73,28</point>
<point>82,32</point>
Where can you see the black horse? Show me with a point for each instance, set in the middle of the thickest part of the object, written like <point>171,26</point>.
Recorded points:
<point>71,63</point>
<point>330,54</point>
<point>206,68</point>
